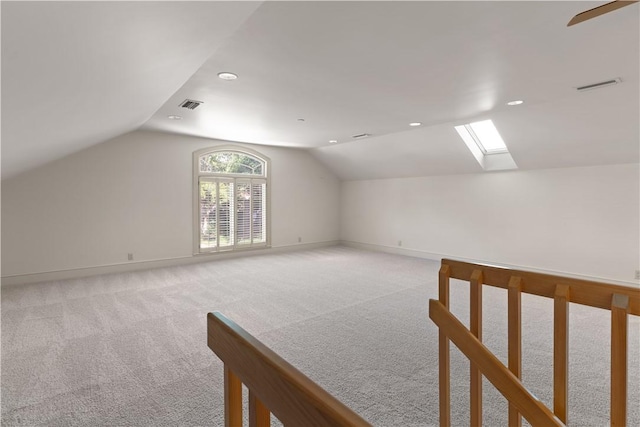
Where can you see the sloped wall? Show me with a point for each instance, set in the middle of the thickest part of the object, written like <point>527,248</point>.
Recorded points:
<point>133,194</point>
<point>582,221</point>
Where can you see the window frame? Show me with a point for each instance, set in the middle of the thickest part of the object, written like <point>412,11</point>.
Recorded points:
<point>234,177</point>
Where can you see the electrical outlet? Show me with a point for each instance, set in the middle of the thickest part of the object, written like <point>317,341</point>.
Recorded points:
<point>130,257</point>
<point>299,239</point>
<point>637,274</point>
<point>399,242</point>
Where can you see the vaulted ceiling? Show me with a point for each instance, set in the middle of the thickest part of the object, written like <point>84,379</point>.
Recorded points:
<point>77,74</point>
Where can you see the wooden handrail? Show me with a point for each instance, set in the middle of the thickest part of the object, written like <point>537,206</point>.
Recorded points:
<point>622,301</point>
<point>274,385</point>
<point>584,292</point>
<point>491,367</point>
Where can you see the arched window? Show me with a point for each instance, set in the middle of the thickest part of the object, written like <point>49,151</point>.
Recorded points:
<point>231,186</point>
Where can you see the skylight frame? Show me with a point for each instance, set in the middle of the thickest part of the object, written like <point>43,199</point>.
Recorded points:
<point>468,134</point>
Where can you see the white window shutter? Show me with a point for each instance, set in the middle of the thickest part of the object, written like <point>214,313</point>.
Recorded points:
<point>226,214</point>
<point>258,211</point>
<point>243,212</point>
<point>208,214</point>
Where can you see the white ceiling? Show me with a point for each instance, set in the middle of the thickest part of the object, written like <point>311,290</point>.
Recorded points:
<point>78,73</point>
<point>88,73</point>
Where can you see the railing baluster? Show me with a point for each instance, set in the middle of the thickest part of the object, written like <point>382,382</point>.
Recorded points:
<point>476,329</point>
<point>232,399</point>
<point>515,340</point>
<point>622,301</point>
<point>443,352</point>
<point>259,415</point>
<point>275,387</point>
<point>619,325</point>
<point>561,352</point>
<point>531,408</point>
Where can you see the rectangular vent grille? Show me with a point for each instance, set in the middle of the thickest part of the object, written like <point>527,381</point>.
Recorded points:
<point>600,84</point>
<point>362,135</point>
<point>190,104</point>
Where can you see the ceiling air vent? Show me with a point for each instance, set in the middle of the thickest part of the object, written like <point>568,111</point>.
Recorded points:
<point>598,85</point>
<point>190,104</point>
<point>362,135</point>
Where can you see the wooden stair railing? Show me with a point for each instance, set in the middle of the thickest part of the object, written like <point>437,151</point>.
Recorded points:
<point>620,300</point>
<point>274,385</point>
<point>491,367</point>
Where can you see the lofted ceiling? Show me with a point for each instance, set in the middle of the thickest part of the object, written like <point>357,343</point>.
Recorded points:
<point>76,74</point>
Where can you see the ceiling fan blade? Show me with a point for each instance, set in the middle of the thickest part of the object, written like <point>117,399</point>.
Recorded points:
<point>600,10</point>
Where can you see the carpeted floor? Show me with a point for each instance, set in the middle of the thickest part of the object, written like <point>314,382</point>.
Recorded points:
<point>130,349</point>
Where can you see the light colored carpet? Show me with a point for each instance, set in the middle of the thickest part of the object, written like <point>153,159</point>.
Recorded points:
<point>130,349</point>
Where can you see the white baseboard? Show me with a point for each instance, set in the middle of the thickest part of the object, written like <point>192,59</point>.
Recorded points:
<point>416,253</point>
<point>23,279</point>
<point>393,250</point>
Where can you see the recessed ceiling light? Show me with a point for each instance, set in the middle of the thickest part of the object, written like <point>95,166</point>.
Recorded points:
<point>415,124</point>
<point>516,102</point>
<point>225,75</point>
<point>173,117</point>
<point>333,141</point>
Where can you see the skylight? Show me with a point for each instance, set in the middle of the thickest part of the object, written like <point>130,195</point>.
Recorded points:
<point>485,143</point>
<point>484,135</point>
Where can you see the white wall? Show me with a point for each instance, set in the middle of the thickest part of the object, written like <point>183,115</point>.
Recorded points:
<point>582,221</point>
<point>134,194</point>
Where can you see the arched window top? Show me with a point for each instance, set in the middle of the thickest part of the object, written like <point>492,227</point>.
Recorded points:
<point>231,162</point>
<point>230,199</point>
